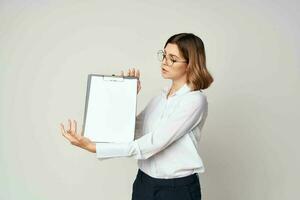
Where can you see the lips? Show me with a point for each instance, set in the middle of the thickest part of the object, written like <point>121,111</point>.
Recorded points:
<point>164,70</point>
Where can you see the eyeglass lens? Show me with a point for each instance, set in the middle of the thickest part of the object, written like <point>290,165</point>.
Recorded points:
<point>161,56</point>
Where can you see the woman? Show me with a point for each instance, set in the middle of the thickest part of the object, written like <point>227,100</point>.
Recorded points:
<point>168,129</point>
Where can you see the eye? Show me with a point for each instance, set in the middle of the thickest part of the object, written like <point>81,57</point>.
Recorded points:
<point>173,60</point>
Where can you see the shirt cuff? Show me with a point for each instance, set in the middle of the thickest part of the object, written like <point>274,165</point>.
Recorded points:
<point>109,150</point>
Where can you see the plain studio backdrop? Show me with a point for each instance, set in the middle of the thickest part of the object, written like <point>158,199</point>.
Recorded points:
<point>251,137</point>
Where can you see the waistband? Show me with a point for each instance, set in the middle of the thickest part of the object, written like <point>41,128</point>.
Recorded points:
<point>193,178</point>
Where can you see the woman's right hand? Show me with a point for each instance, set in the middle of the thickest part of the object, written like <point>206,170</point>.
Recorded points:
<point>135,73</point>
<point>77,139</point>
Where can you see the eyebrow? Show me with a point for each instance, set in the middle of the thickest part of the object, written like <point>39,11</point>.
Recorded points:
<point>171,54</point>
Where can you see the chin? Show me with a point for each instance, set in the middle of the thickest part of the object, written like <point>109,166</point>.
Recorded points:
<point>165,77</point>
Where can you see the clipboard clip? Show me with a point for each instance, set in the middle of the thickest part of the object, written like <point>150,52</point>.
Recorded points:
<point>113,78</point>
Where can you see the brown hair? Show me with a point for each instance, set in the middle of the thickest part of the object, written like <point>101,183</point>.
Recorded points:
<point>192,49</point>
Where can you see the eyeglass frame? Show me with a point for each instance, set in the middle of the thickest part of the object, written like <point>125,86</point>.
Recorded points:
<point>173,61</point>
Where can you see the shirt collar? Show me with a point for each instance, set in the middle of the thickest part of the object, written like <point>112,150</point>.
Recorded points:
<point>182,90</point>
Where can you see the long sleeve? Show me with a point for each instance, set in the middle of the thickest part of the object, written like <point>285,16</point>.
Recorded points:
<point>137,134</point>
<point>184,118</point>
<point>108,150</point>
<point>139,124</point>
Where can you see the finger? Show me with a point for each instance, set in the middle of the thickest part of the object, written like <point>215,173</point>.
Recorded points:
<point>138,74</point>
<point>63,131</point>
<point>128,72</point>
<point>70,126</point>
<point>68,136</point>
<point>133,72</point>
<point>75,124</point>
<point>62,128</point>
<point>75,134</point>
<point>71,132</point>
<point>65,134</point>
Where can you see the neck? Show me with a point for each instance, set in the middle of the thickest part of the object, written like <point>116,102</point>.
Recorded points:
<point>178,83</point>
<point>175,86</point>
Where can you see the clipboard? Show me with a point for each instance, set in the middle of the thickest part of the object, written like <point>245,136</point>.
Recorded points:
<point>110,108</point>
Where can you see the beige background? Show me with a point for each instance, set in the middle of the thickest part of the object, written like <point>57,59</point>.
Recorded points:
<point>251,138</point>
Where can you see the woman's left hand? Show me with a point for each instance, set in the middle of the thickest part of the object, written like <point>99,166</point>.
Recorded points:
<point>134,73</point>
<point>76,139</point>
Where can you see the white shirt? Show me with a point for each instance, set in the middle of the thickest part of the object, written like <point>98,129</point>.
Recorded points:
<point>167,135</point>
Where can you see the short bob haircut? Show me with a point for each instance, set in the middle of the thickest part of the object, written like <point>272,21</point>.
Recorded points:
<point>192,49</point>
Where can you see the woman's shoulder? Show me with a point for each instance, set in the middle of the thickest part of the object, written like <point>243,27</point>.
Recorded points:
<point>194,98</point>
<point>196,95</point>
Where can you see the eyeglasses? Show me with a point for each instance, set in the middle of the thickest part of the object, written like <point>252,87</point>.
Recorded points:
<point>161,55</point>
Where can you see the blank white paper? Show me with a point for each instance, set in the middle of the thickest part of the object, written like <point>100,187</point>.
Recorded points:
<point>110,108</point>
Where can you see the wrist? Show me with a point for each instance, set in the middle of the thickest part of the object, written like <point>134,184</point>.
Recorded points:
<point>91,147</point>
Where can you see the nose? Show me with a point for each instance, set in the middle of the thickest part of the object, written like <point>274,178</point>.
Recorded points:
<point>164,61</point>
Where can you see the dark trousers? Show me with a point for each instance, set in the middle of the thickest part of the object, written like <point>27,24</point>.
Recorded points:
<point>146,187</point>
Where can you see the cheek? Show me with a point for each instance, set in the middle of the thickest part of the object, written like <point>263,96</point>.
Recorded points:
<point>179,71</point>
